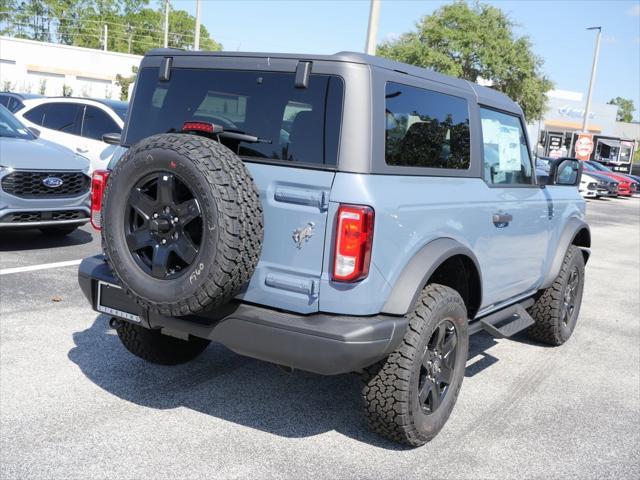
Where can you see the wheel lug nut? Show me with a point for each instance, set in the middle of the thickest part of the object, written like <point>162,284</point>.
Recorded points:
<point>164,240</point>
<point>175,219</point>
<point>155,215</point>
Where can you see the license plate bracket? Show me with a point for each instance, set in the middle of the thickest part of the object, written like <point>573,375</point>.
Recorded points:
<point>112,300</point>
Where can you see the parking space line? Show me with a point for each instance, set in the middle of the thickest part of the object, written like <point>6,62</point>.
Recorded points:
<point>43,266</point>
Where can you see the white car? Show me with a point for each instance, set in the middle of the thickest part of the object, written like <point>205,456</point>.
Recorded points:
<point>77,123</point>
<point>588,187</point>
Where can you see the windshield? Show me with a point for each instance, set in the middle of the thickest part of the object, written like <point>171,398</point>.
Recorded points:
<point>294,124</point>
<point>10,127</point>
<point>597,166</point>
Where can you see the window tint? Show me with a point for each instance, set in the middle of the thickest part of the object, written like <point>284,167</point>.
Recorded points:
<point>506,157</point>
<point>96,123</point>
<point>426,128</point>
<point>294,124</point>
<point>14,105</point>
<point>36,115</point>
<point>4,100</point>
<point>61,117</point>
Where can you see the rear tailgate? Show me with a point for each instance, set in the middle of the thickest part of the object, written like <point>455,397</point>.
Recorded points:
<point>296,130</point>
<point>295,203</point>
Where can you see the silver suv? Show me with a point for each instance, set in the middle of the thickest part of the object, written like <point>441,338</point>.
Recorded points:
<point>42,185</point>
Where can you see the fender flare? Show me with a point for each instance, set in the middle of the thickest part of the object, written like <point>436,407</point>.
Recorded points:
<point>419,269</point>
<point>573,227</point>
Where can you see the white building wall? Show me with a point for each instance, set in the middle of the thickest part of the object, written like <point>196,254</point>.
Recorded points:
<point>27,66</point>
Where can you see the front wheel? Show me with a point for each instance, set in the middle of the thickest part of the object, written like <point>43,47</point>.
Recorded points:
<point>556,309</point>
<point>409,396</point>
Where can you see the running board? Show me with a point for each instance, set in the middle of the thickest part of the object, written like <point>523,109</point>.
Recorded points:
<point>507,322</point>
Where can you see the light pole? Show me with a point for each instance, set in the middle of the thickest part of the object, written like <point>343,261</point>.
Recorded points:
<point>372,30</point>
<point>196,38</point>
<point>166,23</point>
<point>585,121</point>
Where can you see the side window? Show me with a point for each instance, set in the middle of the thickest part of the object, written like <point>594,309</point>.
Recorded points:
<point>14,105</point>
<point>62,117</point>
<point>4,100</point>
<point>426,128</point>
<point>506,156</point>
<point>96,123</point>
<point>36,115</point>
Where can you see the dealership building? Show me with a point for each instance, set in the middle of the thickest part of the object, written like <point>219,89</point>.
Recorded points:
<point>555,135</point>
<point>27,66</point>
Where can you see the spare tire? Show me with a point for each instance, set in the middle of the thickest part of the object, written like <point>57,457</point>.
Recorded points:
<point>182,223</point>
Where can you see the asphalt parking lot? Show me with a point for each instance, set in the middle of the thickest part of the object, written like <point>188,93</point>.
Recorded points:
<point>75,405</point>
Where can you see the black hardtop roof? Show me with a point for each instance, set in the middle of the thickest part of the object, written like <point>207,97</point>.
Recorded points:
<point>484,95</point>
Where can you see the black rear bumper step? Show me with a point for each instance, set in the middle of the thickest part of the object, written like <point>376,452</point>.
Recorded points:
<point>506,322</point>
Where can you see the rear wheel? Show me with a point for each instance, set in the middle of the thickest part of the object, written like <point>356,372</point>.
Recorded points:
<point>154,347</point>
<point>409,396</point>
<point>58,231</point>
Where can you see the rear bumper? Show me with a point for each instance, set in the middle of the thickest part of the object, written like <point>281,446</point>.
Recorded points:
<point>322,343</point>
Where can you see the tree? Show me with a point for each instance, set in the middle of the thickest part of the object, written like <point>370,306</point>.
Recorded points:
<point>124,82</point>
<point>133,27</point>
<point>476,42</point>
<point>625,108</point>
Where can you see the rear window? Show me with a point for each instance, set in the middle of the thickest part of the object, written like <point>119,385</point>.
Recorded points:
<point>425,128</point>
<point>299,125</point>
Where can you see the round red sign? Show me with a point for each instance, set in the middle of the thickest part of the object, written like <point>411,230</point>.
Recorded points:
<point>584,147</point>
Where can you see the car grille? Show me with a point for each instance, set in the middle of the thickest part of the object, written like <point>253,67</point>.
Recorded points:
<point>30,184</point>
<point>56,216</point>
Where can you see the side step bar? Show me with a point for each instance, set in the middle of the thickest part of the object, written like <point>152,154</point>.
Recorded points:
<point>506,322</point>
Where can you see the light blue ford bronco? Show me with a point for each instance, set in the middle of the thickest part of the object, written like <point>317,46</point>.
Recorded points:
<point>335,214</point>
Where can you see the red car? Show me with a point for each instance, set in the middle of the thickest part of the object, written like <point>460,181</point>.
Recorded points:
<point>626,185</point>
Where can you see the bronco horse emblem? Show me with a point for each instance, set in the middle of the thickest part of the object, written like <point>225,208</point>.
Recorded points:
<point>302,235</point>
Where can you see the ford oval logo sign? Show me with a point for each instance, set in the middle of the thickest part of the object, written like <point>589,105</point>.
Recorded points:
<point>52,182</point>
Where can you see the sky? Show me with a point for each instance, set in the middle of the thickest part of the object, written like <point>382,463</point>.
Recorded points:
<point>557,30</point>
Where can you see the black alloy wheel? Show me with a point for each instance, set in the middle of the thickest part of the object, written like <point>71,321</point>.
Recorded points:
<point>438,363</point>
<point>163,225</point>
<point>570,295</point>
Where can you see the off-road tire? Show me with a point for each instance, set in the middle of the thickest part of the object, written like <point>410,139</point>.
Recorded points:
<point>58,231</point>
<point>390,390</point>
<point>548,309</point>
<point>230,248</point>
<point>154,347</point>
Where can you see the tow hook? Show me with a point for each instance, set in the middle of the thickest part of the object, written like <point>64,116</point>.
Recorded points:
<point>285,369</point>
<point>115,323</point>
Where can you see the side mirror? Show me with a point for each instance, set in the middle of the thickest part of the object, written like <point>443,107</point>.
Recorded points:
<point>34,131</point>
<point>565,171</point>
<point>112,138</point>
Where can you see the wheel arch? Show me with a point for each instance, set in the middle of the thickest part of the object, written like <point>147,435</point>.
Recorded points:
<point>445,261</point>
<point>576,232</point>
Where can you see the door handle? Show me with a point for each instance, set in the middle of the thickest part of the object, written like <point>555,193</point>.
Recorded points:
<point>502,220</point>
<point>82,149</point>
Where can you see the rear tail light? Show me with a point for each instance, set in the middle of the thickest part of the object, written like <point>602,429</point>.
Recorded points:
<point>353,241</point>
<point>98,184</point>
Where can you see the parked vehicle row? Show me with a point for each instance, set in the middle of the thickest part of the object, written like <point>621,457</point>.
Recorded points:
<point>598,180</point>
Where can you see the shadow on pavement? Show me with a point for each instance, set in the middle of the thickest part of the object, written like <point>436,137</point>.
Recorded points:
<point>234,388</point>
<point>227,386</point>
<point>33,239</point>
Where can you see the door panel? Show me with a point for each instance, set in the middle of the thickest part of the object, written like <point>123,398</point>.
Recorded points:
<point>516,249</point>
<point>518,214</point>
